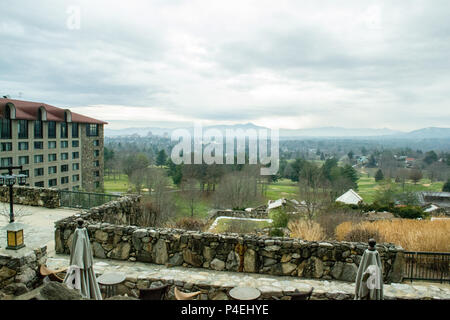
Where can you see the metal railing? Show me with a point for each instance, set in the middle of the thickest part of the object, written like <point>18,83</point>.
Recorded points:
<point>84,200</point>
<point>427,266</point>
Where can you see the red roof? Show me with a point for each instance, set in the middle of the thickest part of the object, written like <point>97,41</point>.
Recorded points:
<point>27,110</point>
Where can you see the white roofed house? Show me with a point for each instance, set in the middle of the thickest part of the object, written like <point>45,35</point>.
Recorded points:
<point>350,197</point>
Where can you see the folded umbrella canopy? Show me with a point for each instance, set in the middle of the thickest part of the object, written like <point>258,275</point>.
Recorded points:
<point>80,274</point>
<point>369,279</point>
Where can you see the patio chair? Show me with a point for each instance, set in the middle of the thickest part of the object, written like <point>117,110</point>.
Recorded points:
<point>302,295</point>
<point>157,293</point>
<point>52,274</point>
<point>179,295</point>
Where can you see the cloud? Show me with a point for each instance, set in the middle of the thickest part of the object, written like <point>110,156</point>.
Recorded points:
<point>295,63</point>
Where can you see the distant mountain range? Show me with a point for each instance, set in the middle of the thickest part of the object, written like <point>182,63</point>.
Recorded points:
<point>323,132</point>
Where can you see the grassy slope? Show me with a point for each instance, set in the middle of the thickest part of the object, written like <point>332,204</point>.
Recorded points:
<point>367,187</point>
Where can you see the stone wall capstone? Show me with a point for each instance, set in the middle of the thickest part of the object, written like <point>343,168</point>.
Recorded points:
<point>213,214</point>
<point>32,196</point>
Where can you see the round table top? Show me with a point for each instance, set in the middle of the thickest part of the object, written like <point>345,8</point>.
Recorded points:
<point>245,293</point>
<point>111,278</point>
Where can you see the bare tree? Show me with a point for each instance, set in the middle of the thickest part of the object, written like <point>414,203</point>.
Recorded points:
<point>159,207</point>
<point>415,175</point>
<point>137,178</point>
<point>313,190</point>
<point>191,193</point>
<point>239,189</point>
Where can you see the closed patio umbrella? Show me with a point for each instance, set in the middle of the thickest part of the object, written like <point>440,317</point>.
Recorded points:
<point>80,274</point>
<point>369,279</point>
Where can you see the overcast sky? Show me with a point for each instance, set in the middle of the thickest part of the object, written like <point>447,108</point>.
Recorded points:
<point>291,64</point>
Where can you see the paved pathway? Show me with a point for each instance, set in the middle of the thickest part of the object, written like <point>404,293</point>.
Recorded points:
<point>271,285</point>
<point>38,222</point>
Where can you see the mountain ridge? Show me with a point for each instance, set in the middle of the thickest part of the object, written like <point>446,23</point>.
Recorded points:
<point>323,132</point>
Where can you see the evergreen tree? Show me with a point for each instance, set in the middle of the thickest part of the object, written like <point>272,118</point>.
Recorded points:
<point>446,186</point>
<point>350,173</point>
<point>161,158</point>
<point>350,155</point>
<point>379,175</point>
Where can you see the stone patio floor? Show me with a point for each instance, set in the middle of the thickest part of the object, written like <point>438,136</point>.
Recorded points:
<point>278,285</point>
<point>38,224</point>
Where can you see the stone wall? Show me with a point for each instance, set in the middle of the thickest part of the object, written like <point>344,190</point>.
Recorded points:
<point>19,270</point>
<point>32,196</point>
<point>126,210</point>
<point>232,252</point>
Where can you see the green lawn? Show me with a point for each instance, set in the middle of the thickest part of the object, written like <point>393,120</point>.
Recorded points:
<point>201,207</point>
<point>120,184</point>
<point>367,187</point>
<point>283,188</point>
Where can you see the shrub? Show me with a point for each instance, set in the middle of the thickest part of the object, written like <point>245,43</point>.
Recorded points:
<point>362,235</point>
<point>330,219</point>
<point>188,224</point>
<point>279,218</point>
<point>409,212</point>
<point>276,232</point>
<point>306,230</point>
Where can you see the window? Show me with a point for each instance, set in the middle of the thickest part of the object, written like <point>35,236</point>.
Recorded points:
<point>96,143</point>
<point>64,130</point>
<point>75,155</point>
<point>6,146</point>
<point>76,188</point>
<point>64,144</point>
<point>64,180</point>
<point>75,178</point>
<point>97,173</point>
<point>52,144</point>
<point>52,170</point>
<point>52,182</point>
<point>75,166</point>
<point>38,129</point>
<point>25,172</point>
<point>23,145</point>
<point>23,129</point>
<point>5,124</point>
<point>39,184</point>
<point>52,129</point>
<point>52,157</point>
<point>97,184</point>
<point>64,168</point>
<point>96,163</point>
<point>38,145</point>
<point>38,158</point>
<point>24,160</point>
<point>38,172</point>
<point>74,130</point>
<point>96,153</point>
<point>5,162</point>
<point>92,130</point>
<point>75,144</point>
<point>64,156</point>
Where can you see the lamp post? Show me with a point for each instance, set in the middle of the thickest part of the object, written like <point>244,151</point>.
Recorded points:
<point>14,230</point>
<point>9,180</point>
